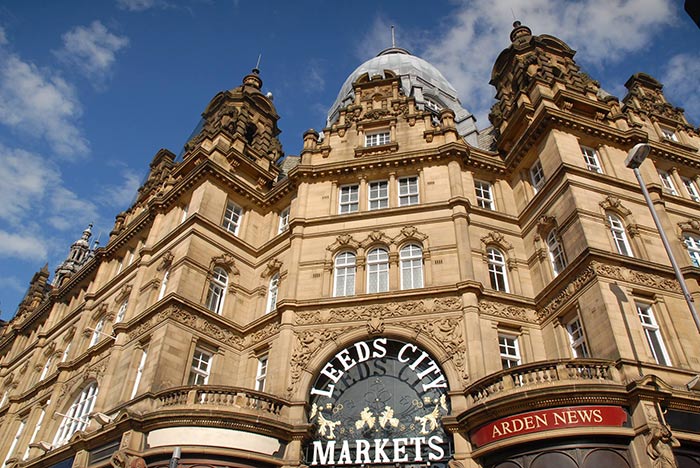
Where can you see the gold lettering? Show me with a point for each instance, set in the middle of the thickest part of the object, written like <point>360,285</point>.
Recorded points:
<point>572,417</point>
<point>541,420</point>
<point>559,419</point>
<point>597,416</point>
<point>496,433</point>
<point>529,422</point>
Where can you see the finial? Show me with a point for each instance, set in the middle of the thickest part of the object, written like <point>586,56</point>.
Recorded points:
<point>257,65</point>
<point>393,38</point>
<point>519,31</point>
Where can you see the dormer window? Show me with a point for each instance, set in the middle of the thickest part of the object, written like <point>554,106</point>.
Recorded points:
<point>668,134</point>
<point>377,139</point>
<point>433,106</point>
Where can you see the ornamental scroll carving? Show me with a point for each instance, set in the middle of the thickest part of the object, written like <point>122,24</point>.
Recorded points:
<point>307,343</point>
<point>636,277</point>
<point>449,335</point>
<point>382,311</point>
<point>269,330</point>
<point>506,311</point>
<point>199,323</point>
<point>572,288</point>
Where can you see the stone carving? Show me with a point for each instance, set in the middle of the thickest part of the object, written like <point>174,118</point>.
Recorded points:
<point>225,260</point>
<point>196,322</point>
<point>637,277</point>
<point>574,286</point>
<point>343,240</point>
<point>264,333</point>
<point>448,334</point>
<point>507,311</point>
<point>383,311</point>
<point>121,459</point>
<point>410,232</point>
<point>272,266</point>
<point>613,203</point>
<point>690,225</point>
<point>124,292</point>
<point>308,342</point>
<point>166,261</point>
<point>376,237</point>
<point>660,447</point>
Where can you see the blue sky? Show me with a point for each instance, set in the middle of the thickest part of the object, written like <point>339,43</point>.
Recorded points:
<point>90,90</point>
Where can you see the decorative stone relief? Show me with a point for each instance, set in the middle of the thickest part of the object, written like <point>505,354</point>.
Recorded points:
<point>376,237</point>
<point>381,311</point>
<point>308,342</point>
<point>124,292</point>
<point>225,260</point>
<point>613,203</point>
<point>343,240</point>
<point>690,225</point>
<point>507,311</point>
<point>572,288</point>
<point>636,277</point>
<point>272,266</point>
<point>269,330</point>
<point>448,334</point>
<point>165,261</point>
<point>660,445</point>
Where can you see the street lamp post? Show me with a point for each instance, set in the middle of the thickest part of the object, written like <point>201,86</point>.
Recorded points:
<point>635,158</point>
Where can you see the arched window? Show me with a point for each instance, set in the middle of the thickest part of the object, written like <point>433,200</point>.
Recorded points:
<point>344,274</point>
<point>556,252</point>
<point>619,235</point>
<point>377,270</point>
<point>692,243</point>
<point>411,258</point>
<point>76,418</point>
<point>217,290</point>
<point>272,293</point>
<point>497,270</point>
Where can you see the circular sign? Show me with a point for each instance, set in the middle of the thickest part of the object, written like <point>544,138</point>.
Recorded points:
<point>379,401</point>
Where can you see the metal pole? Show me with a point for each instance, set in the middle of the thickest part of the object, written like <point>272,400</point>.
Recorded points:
<point>667,246</point>
<point>175,458</point>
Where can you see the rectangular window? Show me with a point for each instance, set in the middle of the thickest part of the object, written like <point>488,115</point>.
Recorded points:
<point>509,350</point>
<point>536,176</point>
<point>667,183</point>
<point>45,370</point>
<point>139,373</point>
<point>121,313</point>
<point>692,189</point>
<point>408,191</point>
<point>199,371</point>
<point>653,334</point>
<point>37,428</point>
<point>13,446</point>
<point>668,134</point>
<point>590,157</point>
<point>232,217</point>
<point>484,194</point>
<point>130,256</point>
<point>377,139</point>
<point>163,284</point>
<point>185,210</point>
<point>261,374</point>
<point>378,195</point>
<point>577,338</point>
<point>284,221</point>
<point>97,332</point>
<point>349,199</point>
<point>65,352</point>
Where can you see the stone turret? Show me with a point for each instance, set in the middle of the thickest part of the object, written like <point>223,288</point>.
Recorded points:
<point>79,254</point>
<point>39,288</point>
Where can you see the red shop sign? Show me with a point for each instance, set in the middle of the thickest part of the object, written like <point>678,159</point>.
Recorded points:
<point>549,419</point>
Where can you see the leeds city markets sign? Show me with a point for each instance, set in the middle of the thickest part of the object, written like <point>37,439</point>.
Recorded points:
<point>379,401</point>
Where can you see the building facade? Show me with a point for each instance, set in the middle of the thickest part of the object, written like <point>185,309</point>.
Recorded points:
<point>409,290</point>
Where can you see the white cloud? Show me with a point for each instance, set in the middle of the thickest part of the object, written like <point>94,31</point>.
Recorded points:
<point>379,38</point>
<point>679,87</point>
<point>140,5</point>
<point>40,103</point>
<point>23,246</point>
<point>91,50</point>
<point>117,197</point>
<point>12,283</point>
<point>602,31</point>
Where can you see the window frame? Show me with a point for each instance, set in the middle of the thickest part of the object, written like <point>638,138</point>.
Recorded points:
<point>377,138</point>
<point>233,217</point>
<point>591,159</point>
<point>163,284</point>
<point>509,360</point>
<point>344,274</point>
<point>411,262</point>
<point>261,373</point>
<point>577,337</point>
<point>381,200</point>
<point>217,287</point>
<point>652,332</point>
<point>497,268</point>
<point>410,197</point>
<point>121,313</point>
<point>272,293</point>
<point>484,194</point>
<point>691,188</point>
<point>139,372</point>
<point>667,182</point>
<point>377,270</point>
<point>283,224</point>
<point>557,256</point>
<point>352,203</point>
<point>692,246</point>
<point>97,330</point>
<point>197,372</point>
<point>15,440</point>
<point>619,235</point>
<point>537,178</point>
<point>76,417</point>
<point>668,134</point>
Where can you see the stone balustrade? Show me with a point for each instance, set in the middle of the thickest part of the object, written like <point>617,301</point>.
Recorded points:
<point>215,396</point>
<point>542,374</point>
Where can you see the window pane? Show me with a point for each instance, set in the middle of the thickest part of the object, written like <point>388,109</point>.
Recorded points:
<point>377,271</point>
<point>411,259</point>
<point>378,195</point>
<point>349,198</point>
<point>344,274</point>
<point>232,217</point>
<point>408,191</point>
